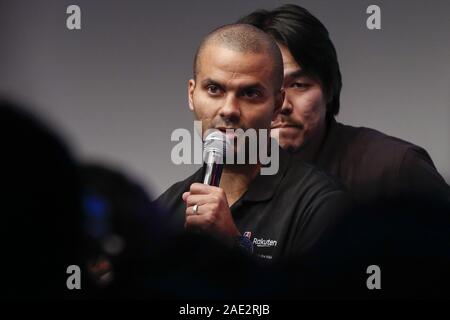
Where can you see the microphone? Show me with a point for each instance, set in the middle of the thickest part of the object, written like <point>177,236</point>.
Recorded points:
<point>215,147</point>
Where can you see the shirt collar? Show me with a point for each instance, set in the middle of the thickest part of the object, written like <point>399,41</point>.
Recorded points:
<point>263,187</point>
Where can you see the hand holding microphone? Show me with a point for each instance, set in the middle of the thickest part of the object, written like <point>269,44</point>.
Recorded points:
<point>207,207</point>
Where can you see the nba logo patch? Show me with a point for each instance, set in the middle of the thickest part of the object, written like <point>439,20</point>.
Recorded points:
<point>248,234</point>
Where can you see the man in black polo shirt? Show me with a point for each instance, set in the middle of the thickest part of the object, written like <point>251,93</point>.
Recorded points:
<point>237,80</point>
<point>374,166</point>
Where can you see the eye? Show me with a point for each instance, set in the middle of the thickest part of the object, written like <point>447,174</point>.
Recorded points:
<point>252,93</point>
<point>214,89</point>
<point>301,85</point>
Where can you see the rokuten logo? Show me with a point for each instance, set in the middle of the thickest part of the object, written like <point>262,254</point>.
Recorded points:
<point>264,243</point>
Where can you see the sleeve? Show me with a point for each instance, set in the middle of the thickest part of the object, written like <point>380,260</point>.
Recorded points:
<point>323,216</point>
<point>171,204</point>
<point>420,178</point>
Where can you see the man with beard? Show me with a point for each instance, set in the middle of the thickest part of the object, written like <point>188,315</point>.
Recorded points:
<point>402,221</point>
<point>374,166</point>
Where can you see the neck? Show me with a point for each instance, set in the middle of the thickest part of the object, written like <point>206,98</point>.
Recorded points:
<point>235,180</point>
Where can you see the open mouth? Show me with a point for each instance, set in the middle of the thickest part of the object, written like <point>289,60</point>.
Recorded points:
<point>224,130</point>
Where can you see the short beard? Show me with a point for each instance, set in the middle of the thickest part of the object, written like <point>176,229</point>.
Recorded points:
<point>293,149</point>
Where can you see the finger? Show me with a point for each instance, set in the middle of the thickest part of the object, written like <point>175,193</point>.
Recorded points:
<point>196,222</point>
<point>200,188</point>
<point>203,210</point>
<point>185,195</point>
<point>190,211</point>
<point>199,199</point>
<point>200,210</point>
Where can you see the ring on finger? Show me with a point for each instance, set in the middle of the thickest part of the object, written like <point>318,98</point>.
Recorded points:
<point>195,209</point>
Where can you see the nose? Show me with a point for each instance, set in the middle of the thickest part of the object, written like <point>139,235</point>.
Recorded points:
<point>230,111</point>
<point>286,108</point>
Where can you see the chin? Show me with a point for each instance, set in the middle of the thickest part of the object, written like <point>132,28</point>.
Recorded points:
<point>291,146</point>
<point>286,144</point>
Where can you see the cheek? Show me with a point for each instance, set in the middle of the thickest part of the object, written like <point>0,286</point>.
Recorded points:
<point>258,117</point>
<point>203,107</point>
<point>202,111</point>
<point>310,107</point>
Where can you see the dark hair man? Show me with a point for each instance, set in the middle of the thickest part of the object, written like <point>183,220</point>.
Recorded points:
<point>237,85</point>
<point>372,165</point>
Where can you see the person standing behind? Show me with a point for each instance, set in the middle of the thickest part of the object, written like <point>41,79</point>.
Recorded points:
<point>374,166</point>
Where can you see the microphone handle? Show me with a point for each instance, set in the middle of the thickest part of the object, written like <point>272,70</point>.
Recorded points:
<point>213,171</point>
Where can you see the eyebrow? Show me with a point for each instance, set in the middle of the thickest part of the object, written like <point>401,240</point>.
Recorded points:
<point>296,74</point>
<point>210,81</point>
<point>255,85</point>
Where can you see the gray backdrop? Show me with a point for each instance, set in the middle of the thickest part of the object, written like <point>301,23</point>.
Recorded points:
<point>117,88</point>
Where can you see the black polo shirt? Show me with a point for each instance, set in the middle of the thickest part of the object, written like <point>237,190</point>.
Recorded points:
<point>286,215</point>
<point>376,167</point>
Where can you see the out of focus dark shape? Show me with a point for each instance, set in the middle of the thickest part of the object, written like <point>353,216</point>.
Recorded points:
<point>132,251</point>
<point>40,208</point>
<point>124,228</point>
<point>407,238</point>
<point>57,213</point>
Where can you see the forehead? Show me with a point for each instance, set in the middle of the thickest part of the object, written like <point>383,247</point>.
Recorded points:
<point>234,67</point>
<point>292,69</point>
<point>289,63</point>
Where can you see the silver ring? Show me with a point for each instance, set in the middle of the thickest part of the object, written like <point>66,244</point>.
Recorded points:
<point>195,209</point>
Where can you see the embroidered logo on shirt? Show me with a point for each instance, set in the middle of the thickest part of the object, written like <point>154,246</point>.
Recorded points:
<point>264,243</point>
<point>248,234</point>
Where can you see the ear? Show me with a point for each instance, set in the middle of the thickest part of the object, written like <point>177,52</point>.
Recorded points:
<point>279,100</point>
<point>191,87</point>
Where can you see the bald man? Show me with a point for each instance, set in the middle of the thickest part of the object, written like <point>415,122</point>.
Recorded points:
<point>237,85</point>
